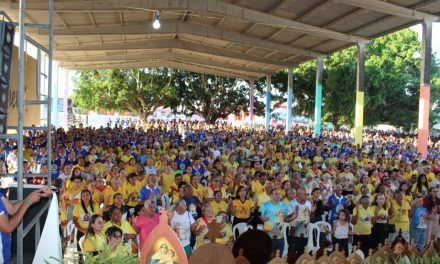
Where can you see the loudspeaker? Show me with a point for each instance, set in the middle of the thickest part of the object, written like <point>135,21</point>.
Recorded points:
<point>7,31</point>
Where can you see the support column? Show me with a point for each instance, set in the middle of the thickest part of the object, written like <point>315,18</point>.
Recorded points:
<point>289,99</point>
<point>318,96</point>
<point>268,88</point>
<point>359,114</point>
<point>425,89</point>
<point>251,102</point>
<point>55,87</point>
<point>66,98</point>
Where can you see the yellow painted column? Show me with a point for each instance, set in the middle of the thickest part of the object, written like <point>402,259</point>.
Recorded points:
<point>359,110</point>
<point>359,118</point>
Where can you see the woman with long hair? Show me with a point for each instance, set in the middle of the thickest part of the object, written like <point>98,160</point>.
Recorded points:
<point>421,186</point>
<point>95,238</point>
<point>381,215</point>
<point>82,213</point>
<point>241,206</point>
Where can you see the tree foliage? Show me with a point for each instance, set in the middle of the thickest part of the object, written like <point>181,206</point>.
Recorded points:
<point>210,96</point>
<point>139,91</point>
<point>392,80</point>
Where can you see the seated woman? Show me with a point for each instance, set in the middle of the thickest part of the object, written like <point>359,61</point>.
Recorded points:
<point>202,224</point>
<point>95,239</point>
<point>129,234</point>
<point>226,235</point>
<point>114,239</point>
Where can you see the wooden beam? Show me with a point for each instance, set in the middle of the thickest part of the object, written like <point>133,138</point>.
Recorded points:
<point>214,7</point>
<point>390,9</point>
<point>203,31</point>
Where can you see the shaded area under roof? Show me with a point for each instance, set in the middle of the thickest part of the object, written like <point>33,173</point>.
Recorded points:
<point>238,38</point>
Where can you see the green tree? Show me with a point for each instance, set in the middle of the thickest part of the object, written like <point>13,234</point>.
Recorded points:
<point>139,91</point>
<point>212,97</point>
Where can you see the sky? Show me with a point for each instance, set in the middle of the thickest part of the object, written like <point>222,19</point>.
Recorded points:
<point>435,36</point>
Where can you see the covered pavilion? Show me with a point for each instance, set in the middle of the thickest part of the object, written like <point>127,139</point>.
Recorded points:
<point>246,39</point>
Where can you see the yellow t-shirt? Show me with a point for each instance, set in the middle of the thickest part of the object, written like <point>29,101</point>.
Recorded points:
<point>257,188</point>
<point>94,243</point>
<point>358,188</point>
<point>401,216</point>
<point>262,198</point>
<point>125,227</point>
<point>199,191</point>
<point>242,210</point>
<point>226,234</point>
<point>98,196</point>
<point>110,192</point>
<point>363,224</point>
<point>130,169</point>
<point>430,177</point>
<point>131,192</point>
<point>83,218</point>
<point>222,206</point>
<point>167,181</point>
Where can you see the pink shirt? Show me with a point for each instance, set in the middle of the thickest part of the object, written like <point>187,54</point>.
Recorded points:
<point>145,225</point>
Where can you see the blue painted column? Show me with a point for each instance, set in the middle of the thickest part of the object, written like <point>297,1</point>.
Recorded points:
<point>318,96</point>
<point>289,99</point>
<point>268,88</point>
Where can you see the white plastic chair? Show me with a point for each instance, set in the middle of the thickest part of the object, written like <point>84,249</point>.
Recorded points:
<point>81,246</point>
<point>328,235</point>
<point>313,236</point>
<point>241,228</point>
<point>324,216</point>
<point>71,229</point>
<point>285,235</point>
<point>139,245</point>
<point>350,239</point>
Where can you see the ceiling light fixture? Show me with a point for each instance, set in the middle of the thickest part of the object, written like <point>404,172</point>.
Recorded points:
<point>156,20</point>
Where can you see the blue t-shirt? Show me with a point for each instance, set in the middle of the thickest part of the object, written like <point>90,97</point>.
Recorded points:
<point>339,203</point>
<point>271,211</point>
<point>5,241</point>
<point>146,191</point>
<point>419,217</point>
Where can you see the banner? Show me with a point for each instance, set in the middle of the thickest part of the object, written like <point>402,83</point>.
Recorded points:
<point>49,247</point>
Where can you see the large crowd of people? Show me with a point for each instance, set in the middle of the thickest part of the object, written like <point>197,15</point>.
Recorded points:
<point>113,181</point>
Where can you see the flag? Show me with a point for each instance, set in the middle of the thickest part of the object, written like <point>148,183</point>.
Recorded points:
<point>49,247</point>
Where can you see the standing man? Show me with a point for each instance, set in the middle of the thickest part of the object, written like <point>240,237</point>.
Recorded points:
<point>274,214</point>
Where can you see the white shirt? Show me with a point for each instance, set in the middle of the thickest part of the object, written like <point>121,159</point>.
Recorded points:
<point>181,224</point>
<point>12,162</point>
<point>152,170</point>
